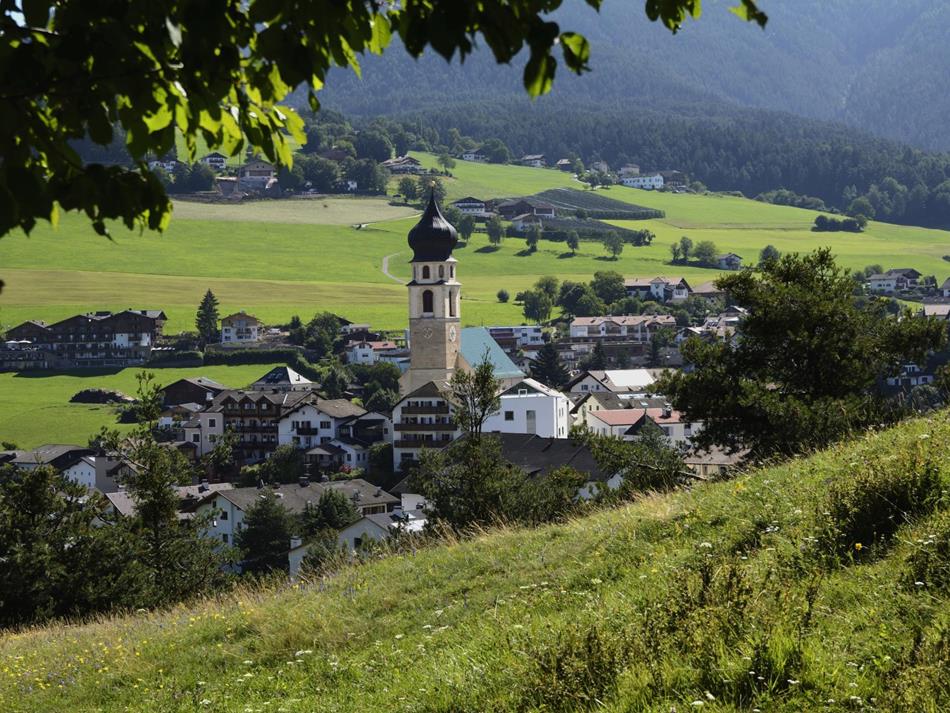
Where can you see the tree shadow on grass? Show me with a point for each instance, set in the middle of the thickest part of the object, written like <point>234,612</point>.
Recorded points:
<point>526,252</point>
<point>488,249</point>
<point>606,258</point>
<point>565,256</point>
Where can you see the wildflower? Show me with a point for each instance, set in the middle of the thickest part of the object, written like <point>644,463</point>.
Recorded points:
<point>858,546</point>
<point>706,545</point>
<point>205,702</point>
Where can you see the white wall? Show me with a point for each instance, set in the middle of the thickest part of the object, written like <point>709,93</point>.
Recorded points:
<point>326,427</point>
<point>552,415</point>
<point>82,473</point>
<point>361,530</point>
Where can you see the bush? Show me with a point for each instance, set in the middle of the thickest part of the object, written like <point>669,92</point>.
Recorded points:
<point>190,357</point>
<point>865,506</point>
<point>503,296</point>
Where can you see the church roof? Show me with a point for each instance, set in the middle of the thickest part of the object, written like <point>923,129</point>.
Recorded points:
<point>433,237</point>
<point>477,342</point>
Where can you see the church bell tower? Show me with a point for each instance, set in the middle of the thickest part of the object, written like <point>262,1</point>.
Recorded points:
<point>434,298</point>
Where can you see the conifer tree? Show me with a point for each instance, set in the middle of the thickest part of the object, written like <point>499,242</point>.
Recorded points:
<point>547,368</point>
<point>206,321</point>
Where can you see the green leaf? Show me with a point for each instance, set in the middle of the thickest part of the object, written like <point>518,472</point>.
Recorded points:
<point>576,51</point>
<point>382,34</point>
<point>539,74</point>
<point>750,12</point>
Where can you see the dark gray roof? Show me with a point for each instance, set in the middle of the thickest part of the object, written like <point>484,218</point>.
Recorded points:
<point>539,456</point>
<point>295,497</point>
<point>433,238</point>
<point>46,454</point>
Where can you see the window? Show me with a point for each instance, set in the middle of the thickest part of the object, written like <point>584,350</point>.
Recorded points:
<point>451,270</point>
<point>509,415</point>
<point>212,422</point>
<point>441,272</point>
<point>452,309</point>
<point>425,272</point>
<point>325,424</point>
<point>427,301</point>
<point>223,515</point>
<point>196,438</point>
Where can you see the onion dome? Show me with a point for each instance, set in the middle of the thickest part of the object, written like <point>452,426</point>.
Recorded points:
<point>433,237</point>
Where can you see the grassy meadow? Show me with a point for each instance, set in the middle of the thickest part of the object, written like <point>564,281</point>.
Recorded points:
<point>732,596</point>
<point>280,258</point>
<point>35,408</point>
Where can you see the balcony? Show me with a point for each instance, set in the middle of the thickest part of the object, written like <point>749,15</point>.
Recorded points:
<point>420,427</point>
<point>307,431</point>
<point>425,410</point>
<point>419,443</point>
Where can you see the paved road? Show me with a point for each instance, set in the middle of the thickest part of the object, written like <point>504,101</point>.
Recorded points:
<point>386,271</point>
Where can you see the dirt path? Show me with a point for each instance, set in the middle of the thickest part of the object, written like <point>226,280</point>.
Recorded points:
<point>386,271</point>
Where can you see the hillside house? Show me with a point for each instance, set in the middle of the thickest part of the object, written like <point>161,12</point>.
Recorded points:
<point>314,421</point>
<point>198,389</point>
<point>227,508</point>
<point>403,164</point>
<point>600,167</point>
<point>565,164</point>
<point>647,182</point>
<point>628,423</point>
<point>945,288</point>
<point>371,352</point>
<point>628,170</point>
<point>673,179</point>
<point>96,339</point>
<point>471,206</point>
<point>533,160</point>
<point>659,289</point>
<point>422,419</point>
<point>634,328</point>
<point>240,328</point>
<point>533,408</point>
<point>623,382</point>
<point>217,162</point>
<point>521,206</point>
<point>518,337</point>
<point>256,176</point>
<point>526,221</point>
<point>474,155</point>
<point>729,261</point>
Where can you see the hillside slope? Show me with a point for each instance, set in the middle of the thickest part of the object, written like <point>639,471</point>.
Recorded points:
<point>767,591</point>
<point>879,65</point>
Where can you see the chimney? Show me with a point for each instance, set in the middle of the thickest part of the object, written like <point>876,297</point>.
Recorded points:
<point>203,486</point>
<point>295,542</point>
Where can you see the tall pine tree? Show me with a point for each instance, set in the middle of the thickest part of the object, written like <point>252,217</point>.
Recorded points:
<point>206,321</point>
<point>547,368</point>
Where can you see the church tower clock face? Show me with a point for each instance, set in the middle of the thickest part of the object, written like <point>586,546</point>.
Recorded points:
<point>452,333</point>
<point>427,333</point>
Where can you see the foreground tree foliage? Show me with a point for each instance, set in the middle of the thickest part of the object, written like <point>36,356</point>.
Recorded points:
<point>804,368</point>
<point>71,71</point>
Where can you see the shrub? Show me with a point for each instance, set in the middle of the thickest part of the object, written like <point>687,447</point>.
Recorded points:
<point>864,507</point>
<point>574,672</point>
<point>503,295</point>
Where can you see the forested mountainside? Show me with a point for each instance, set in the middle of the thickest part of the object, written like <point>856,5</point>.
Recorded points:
<point>753,151</point>
<point>880,65</point>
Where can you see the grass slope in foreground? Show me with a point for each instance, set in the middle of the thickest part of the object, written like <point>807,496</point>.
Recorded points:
<point>716,596</point>
<point>35,408</point>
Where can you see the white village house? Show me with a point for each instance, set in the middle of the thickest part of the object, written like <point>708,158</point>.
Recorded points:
<point>533,408</point>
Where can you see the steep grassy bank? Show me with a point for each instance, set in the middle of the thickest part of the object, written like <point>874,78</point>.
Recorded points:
<point>797,587</point>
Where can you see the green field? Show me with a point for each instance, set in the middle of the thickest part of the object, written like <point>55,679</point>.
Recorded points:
<point>280,258</point>
<point>713,598</point>
<point>35,408</point>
